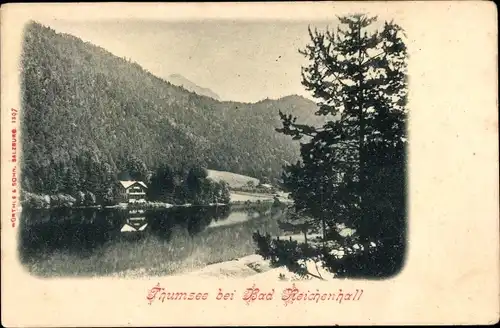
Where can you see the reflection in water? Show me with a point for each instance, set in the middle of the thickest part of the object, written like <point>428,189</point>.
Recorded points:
<point>95,241</point>
<point>74,231</point>
<point>82,230</point>
<point>136,221</point>
<point>134,225</point>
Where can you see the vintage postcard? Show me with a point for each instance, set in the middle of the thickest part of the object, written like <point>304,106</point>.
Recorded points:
<point>214,164</point>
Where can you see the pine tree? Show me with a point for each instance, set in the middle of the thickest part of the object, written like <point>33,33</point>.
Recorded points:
<point>162,184</point>
<point>71,179</point>
<point>353,168</point>
<point>195,181</point>
<point>137,169</point>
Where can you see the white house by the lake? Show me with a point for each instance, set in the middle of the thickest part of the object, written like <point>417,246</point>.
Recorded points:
<point>133,191</point>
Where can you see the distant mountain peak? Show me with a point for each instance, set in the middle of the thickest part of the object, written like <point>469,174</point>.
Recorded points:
<point>290,98</point>
<point>296,97</point>
<point>181,81</point>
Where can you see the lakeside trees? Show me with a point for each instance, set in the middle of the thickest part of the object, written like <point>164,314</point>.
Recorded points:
<point>90,182</point>
<point>352,171</point>
<point>178,186</point>
<point>86,177</point>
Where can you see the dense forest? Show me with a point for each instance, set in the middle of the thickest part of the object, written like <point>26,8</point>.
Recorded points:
<point>88,115</point>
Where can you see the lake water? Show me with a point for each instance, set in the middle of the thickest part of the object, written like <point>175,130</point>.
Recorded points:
<point>62,242</point>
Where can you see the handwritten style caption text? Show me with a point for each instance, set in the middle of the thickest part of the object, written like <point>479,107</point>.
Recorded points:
<point>288,295</point>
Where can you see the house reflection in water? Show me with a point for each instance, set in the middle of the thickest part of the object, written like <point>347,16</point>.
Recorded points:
<point>136,222</point>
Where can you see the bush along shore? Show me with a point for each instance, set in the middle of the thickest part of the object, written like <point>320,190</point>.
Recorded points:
<point>164,187</point>
<point>88,200</point>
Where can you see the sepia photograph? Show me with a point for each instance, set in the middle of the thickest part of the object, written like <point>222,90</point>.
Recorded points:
<point>306,163</point>
<point>153,148</point>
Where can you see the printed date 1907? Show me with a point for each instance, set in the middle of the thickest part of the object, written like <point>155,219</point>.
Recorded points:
<point>13,159</point>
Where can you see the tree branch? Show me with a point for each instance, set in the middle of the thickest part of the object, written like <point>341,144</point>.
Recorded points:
<point>317,269</point>
<point>373,57</point>
<point>315,276</point>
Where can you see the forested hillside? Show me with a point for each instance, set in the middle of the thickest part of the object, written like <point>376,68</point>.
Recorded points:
<point>87,114</point>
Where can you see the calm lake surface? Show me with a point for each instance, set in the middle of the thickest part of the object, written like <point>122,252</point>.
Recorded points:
<point>62,242</point>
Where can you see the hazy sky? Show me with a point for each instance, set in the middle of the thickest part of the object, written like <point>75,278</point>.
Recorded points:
<point>242,61</point>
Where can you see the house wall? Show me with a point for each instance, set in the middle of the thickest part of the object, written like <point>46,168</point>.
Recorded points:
<point>136,189</point>
<point>136,192</point>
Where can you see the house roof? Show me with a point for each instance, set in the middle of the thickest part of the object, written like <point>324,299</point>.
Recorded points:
<point>126,184</point>
<point>130,228</point>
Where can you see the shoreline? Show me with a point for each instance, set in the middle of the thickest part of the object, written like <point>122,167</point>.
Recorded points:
<point>251,266</point>
<point>238,198</point>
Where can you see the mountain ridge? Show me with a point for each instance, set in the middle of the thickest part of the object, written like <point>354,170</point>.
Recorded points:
<point>179,80</point>
<point>79,99</point>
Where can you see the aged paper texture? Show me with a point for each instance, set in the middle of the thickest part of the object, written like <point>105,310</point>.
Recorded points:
<point>149,176</point>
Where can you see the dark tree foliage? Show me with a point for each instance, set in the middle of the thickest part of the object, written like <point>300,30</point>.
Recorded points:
<point>163,184</point>
<point>133,168</point>
<point>112,194</point>
<point>195,179</point>
<point>353,167</point>
<point>177,186</point>
<point>84,109</point>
